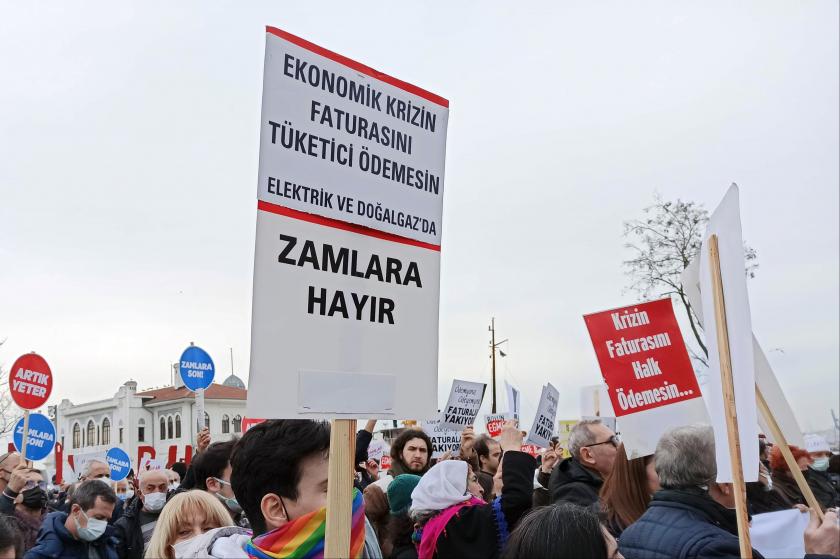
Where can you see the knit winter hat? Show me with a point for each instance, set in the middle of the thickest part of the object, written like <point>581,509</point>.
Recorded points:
<point>399,492</point>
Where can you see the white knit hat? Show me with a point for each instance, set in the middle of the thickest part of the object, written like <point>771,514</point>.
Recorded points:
<point>816,443</point>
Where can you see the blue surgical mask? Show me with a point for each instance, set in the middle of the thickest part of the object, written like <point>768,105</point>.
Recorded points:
<point>94,529</point>
<point>820,464</point>
<point>230,502</point>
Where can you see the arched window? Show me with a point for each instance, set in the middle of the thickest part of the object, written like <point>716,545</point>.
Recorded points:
<point>226,423</point>
<point>162,428</point>
<point>106,431</point>
<point>77,436</point>
<point>91,433</point>
<point>206,420</point>
<point>177,426</point>
<point>169,432</point>
<point>237,424</point>
<point>141,430</point>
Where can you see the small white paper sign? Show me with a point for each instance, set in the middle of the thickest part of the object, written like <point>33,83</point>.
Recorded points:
<point>464,402</point>
<point>543,427</point>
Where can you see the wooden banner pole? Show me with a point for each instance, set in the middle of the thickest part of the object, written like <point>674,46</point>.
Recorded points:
<point>25,440</point>
<point>781,441</point>
<point>739,487</point>
<point>340,489</point>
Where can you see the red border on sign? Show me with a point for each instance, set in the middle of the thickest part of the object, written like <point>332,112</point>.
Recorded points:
<point>343,225</point>
<point>359,67</point>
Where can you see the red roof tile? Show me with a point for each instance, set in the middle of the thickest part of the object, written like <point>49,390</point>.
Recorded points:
<point>213,392</point>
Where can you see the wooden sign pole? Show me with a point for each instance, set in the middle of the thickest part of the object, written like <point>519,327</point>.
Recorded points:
<point>340,489</point>
<point>25,439</point>
<point>739,487</point>
<point>781,441</point>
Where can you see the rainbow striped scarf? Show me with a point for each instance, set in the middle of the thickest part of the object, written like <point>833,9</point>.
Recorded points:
<point>304,538</point>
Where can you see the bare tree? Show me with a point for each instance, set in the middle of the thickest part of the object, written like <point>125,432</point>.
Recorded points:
<point>664,241</point>
<point>9,412</point>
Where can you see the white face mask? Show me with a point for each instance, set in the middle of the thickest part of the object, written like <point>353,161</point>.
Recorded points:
<point>174,485</point>
<point>182,549</point>
<point>94,529</point>
<point>153,502</point>
<point>126,496</point>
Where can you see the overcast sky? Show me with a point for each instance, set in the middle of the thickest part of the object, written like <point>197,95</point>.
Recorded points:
<point>128,165</point>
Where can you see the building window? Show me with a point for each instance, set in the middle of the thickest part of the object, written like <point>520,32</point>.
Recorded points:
<point>226,423</point>
<point>121,435</point>
<point>206,420</point>
<point>162,428</point>
<point>77,435</point>
<point>237,424</point>
<point>106,431</point>
<point>91,433</point>
<point>177,426</point>
<point>141,430</point>
<point>169,431</point>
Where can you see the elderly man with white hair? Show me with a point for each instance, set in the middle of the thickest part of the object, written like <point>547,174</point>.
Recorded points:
<point>99,469</point>
<point>134,529</point>
<point>693,516</point>
<point>578,479</point>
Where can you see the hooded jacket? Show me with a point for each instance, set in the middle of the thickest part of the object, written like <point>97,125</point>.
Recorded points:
<point>56,542</point>
<point>572,483</point>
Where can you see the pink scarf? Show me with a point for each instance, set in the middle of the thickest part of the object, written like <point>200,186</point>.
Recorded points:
<point>437,525</point>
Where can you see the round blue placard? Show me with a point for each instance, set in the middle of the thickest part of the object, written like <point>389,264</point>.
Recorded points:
<point>197,369</point>
<point>119,462</point>
<point>41,436</point>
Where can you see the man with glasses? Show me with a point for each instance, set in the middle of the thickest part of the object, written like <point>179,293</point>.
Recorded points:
<point>15,476</point>
<point>578,479</point>
<point>99,469</point>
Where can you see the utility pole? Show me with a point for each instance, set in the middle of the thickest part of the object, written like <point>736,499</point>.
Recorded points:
<point>493,346</point>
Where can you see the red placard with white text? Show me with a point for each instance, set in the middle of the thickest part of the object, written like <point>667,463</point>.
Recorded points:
<point>30,381</point>
<point>642,356</point>
<point>385,463</point>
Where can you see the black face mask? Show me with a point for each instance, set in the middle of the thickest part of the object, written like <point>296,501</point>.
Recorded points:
<point>35,498</point>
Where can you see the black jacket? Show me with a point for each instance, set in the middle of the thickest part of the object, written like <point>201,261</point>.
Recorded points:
<point>822,487</point>
<point>129,532</point>
<point>476,531</point>
<point>55,541</point>
<point>572,483</point>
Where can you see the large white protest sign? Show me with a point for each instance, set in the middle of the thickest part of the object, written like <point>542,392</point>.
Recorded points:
<point>377,449</point>
<point>765,378</point>
<point>444,439</point>
<point>464,401</point>
<point>725,222</point>
<point>347,259</point>
<point>543,427</point>
<point>514,400</point>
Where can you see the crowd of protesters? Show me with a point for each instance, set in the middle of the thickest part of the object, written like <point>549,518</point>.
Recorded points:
<point>265,496</point>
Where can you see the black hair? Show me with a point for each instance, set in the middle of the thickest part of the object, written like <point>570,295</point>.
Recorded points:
<point>563,531</point>
<point>86,493</point>
<point>267,460</point>
<point>212,462</point>
<point>10,536</point>
<point>399,444</point>
<point>180,468</point>
<point>762,446</point>
<point>482,447</point>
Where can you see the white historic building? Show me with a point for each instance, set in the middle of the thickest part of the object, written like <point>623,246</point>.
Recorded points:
<point>159,418</point>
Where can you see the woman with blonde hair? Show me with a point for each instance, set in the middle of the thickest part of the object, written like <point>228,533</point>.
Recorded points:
<point>195,524</point>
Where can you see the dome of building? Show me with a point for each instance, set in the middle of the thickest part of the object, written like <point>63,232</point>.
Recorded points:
<point>234,381</point>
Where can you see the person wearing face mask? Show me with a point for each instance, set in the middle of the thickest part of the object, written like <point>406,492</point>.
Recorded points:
<point>817,472</point>
<point>212,472</point>
<point>84,532</point>
<point>30,507</point>
<point>124,491</point>
<point>134,529</point>
<point>196,524</point>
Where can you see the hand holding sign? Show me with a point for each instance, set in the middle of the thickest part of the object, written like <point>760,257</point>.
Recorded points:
<point>511,437</point>
<point>467,442</point>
